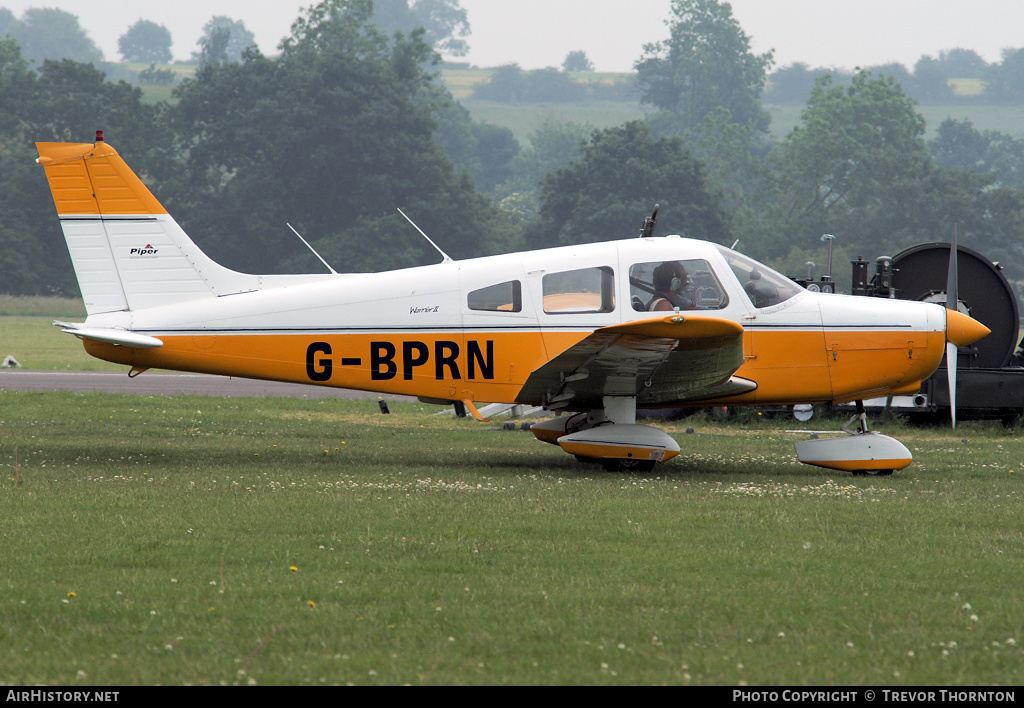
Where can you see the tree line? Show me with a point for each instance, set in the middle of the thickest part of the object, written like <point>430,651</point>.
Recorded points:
<point>348,123</point>
<point>857,165</point>
<point>930,81</point>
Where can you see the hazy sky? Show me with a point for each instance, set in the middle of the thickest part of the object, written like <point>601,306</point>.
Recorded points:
<point>539,33</point>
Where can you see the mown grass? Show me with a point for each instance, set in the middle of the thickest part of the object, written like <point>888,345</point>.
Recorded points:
<point>41,306</point>
<point>36,344</point>
<point>195,540</point>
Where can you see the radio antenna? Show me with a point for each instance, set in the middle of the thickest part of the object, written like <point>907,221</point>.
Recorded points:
<point>312,249</point>
<point>447,258</point>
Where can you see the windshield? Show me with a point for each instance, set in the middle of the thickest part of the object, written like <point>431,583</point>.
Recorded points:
<point>763,285</point>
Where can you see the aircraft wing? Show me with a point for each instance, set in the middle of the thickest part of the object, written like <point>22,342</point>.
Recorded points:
<point>675,360</point>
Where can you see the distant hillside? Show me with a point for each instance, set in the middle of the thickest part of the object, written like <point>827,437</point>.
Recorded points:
<point>1004,119</point>
<point>524,118</point>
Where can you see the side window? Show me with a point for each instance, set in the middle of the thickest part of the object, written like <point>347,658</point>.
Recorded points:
<point>762,285</point>
<point>671,285</point>
<point>503,297</point>
<point>580,291</point>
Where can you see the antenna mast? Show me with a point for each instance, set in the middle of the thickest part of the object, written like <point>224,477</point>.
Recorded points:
<point>312,249</point>
<point>447,258</point>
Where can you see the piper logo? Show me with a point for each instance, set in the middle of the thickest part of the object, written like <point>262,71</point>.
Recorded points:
<point>147,251</point>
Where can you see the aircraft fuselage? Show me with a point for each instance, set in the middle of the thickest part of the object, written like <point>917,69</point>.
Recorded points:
<point>475,330</point>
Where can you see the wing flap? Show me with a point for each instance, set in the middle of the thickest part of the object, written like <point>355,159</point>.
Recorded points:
<point>661,361</point>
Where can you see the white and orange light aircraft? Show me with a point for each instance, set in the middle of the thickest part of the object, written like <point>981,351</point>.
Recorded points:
<point>566,328</point>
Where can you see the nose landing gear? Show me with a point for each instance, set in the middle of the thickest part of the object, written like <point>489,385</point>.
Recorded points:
<point>859,451</point>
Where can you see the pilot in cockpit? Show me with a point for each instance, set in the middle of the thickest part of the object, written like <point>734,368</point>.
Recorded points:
<point>670,284</point>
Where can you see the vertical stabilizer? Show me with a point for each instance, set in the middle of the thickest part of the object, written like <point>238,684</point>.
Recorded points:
<point>127,251</point>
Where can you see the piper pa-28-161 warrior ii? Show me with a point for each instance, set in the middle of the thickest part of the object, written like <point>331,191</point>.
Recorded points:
<point>592,331</point>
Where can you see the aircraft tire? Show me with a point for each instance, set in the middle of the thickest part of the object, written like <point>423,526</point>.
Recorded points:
<point>872,473</point>
<point>613,464</point>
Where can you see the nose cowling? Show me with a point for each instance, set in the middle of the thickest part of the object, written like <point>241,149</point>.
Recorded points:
<point>962,330</point>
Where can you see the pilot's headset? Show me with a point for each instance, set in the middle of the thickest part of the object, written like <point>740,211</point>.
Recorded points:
<point>666,275</point>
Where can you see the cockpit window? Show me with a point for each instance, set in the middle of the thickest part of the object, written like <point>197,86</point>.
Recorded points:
<point>675,285</point>
<point>763,286</point>
<point>579,291</point>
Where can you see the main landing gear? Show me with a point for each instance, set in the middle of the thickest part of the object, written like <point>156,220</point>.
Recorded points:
<point>860,451</point>
<point>610,437</point>
<point>624,465</point>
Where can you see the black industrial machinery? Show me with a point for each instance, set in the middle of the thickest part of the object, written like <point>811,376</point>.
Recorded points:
<point>990,372</point>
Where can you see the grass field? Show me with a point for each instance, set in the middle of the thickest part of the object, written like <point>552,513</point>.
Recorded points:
<point>41,306</point>
<point>1005,119</point>
<point>196,540</point>
<point>523,119</point>
<point>36,344</point>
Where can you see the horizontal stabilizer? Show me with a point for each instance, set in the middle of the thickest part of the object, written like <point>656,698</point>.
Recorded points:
<point>120,337</point>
